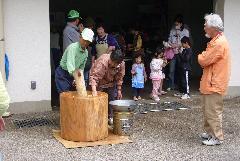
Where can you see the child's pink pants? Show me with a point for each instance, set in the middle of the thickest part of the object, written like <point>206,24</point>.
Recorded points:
<point>156,86</point>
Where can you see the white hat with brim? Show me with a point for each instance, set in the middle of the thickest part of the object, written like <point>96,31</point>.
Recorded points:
<point>87,34</point>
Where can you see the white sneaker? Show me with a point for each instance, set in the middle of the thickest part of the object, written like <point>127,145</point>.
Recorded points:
<point>163,92</point>
<point>178,95</point>
<point>212,141</point>
<point>110,121</point>
<point>168,89</point>
<point>135,98</point>
<point>185,96</point>
<point>205,136</point>
<point>156,98</point>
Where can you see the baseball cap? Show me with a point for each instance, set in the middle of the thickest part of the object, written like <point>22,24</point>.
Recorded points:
<point>74,14</point>
<point>87,34</point>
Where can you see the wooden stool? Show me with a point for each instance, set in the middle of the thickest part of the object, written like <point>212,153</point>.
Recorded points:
<point>83,118</point>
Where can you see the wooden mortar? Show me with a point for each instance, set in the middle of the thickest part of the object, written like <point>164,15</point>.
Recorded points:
<point>83,118</point>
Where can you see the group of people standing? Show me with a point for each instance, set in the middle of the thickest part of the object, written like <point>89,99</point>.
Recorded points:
<point>215,62</point>
<point>177,54</point>
<point>108,67</point>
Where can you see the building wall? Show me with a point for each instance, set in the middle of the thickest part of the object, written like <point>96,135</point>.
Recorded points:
<point>1,41</point>
<point>232,26</point>
<point>27,43</point>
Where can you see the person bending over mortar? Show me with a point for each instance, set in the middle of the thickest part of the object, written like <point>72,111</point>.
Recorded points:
<point>107,69</point>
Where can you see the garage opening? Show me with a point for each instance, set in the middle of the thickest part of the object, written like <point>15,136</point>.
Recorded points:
<point>154,18</point>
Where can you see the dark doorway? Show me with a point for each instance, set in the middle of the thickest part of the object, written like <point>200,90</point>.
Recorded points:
<point>154,16</point>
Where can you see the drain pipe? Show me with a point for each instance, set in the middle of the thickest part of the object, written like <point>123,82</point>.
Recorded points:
<point>2,51</point>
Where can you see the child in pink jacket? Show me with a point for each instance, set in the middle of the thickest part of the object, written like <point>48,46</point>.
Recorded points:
<point>156,74</point>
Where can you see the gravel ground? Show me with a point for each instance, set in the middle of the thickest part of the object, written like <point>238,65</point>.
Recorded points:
<point>170,135</point>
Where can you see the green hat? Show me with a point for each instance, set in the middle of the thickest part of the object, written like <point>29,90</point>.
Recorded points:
<point>73,14</point>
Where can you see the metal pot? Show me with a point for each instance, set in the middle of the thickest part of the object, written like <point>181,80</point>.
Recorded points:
<point>122,123</point>
<point>123,105</point>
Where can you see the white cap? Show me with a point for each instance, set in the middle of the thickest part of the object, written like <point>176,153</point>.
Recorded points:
<point>87,34</point>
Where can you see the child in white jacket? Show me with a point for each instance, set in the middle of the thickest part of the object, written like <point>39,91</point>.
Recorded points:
<point>156,74</point>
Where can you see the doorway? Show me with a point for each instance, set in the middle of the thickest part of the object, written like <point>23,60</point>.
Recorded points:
<point>154,16</point>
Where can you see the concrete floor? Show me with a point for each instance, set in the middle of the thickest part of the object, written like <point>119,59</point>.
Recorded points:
<point>171,135</point>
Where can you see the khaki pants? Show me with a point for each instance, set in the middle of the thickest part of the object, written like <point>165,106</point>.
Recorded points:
<point>212,111</point>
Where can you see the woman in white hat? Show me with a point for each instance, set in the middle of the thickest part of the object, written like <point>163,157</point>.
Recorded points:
<point>74,58</point>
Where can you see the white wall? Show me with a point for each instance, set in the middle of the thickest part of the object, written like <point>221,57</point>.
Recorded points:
<point>232,31</point>
<point>1,42</point>
<point>27,44</point>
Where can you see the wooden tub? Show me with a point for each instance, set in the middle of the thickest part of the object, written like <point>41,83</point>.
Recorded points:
<point>83,118</point>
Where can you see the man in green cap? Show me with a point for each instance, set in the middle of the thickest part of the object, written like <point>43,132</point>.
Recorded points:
<point>71,32</point>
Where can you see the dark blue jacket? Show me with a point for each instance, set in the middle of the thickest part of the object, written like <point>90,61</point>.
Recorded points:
<point>186,59</point>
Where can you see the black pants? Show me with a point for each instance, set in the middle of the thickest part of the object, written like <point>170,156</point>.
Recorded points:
<point>111,97</point>
<point>136,92</point>
<point>178,73</point>
<point>185,82</point>
<point>63,80</point>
